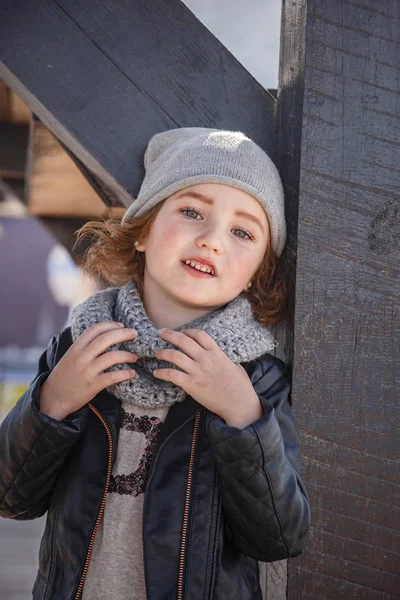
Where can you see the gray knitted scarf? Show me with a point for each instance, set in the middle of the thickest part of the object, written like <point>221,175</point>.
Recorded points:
<point>232,326</point>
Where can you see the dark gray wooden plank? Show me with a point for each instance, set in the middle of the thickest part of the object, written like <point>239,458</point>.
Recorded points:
<point>289,117</point>
<point>13,150</point>
<point>104,79</point>
<point>340,85</point>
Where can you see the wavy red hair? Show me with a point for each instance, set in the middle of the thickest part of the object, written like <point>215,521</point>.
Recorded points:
<point>112,259</point>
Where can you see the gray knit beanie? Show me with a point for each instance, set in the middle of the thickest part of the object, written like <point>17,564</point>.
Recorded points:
<point>178,158</point>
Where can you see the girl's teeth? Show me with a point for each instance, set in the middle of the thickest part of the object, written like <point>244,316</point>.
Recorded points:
<point>203,269</point>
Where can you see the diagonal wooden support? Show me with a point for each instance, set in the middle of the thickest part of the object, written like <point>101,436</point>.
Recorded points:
<point>105,81</point>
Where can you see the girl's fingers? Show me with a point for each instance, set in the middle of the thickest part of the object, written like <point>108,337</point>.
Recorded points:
<point>190,347</point>
<point>114,377</point>
<point>176,377</point>
<point>103,341</point>
<point>95,330</point>
<point>179,359</point>
<point>109,359</point>
<point>202,338</point>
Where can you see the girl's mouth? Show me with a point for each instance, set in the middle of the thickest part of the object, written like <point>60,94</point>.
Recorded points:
<point>195,272</point>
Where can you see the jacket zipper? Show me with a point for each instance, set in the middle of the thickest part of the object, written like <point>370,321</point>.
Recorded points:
<point>103,502</point>
<point>186,510</point>
<point>214,546</point>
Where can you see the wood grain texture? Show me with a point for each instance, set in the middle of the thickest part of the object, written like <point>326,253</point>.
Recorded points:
<point>346,329</point>
<point>288,119</point>
<point>53,175</point>
<point>105,77</point>
<point>12,109</point>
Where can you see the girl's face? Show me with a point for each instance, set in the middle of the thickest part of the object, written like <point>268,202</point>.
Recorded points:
<point>208,223</point>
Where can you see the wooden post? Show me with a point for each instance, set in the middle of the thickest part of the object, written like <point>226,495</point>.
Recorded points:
<point>338,128</point>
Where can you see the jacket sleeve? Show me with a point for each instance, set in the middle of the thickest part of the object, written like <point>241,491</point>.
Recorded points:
<point>33,447</point>
<point>265,503</point>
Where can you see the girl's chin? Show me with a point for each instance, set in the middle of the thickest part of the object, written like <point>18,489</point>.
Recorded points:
<point>202,299</point>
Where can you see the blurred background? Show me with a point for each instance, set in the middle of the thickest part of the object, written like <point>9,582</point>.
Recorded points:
<point>39,280</point>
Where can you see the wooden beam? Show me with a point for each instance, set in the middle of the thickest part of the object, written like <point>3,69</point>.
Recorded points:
<point>56,186</point>
<point>104,95</point>
<point>97,185</point>
<point>12,109</point>
<point>13,151</point>
<point>338,124</point>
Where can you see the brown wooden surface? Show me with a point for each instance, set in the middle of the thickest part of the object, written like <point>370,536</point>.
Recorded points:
<point>56,186</point>
<point>341,76</point>
<point>12,109</point>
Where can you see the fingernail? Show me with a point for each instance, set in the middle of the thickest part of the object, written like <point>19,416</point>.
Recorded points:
<point>120,324</point>
<point>134,331</point>
<point>163,329</point>
<point>132,371</point>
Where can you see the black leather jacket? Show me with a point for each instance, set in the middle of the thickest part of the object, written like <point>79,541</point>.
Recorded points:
<point>233,496</point>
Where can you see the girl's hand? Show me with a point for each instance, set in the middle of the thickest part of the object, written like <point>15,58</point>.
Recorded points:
<point>209,376</point>
<point>80,375</point>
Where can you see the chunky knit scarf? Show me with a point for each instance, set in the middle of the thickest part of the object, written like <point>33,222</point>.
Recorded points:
<point>232,326</point>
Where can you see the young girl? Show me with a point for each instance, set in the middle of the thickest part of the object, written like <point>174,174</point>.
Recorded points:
<point>158,433</point>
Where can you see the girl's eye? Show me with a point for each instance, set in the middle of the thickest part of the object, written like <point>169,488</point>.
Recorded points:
<point>249,235</point>
<point>188,209</point>
<point>194,211</point>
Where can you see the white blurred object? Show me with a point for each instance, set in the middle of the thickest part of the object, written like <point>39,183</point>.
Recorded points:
<point>66,281</point>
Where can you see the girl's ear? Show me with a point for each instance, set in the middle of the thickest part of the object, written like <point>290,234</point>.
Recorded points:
<point>140,247</point>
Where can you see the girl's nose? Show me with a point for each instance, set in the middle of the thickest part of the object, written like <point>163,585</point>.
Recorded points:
<point>211,239</point>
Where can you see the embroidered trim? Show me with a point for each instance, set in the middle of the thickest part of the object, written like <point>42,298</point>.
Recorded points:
<point>135,483</point>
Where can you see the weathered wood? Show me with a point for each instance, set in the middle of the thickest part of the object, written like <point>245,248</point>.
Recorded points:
<point>12,109</point>
<point>288,119</point>
<point>13,150</point>
<point>14,135</point>
<point>105,80</point>
<point>56,186</point>
<point>338,113</point>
